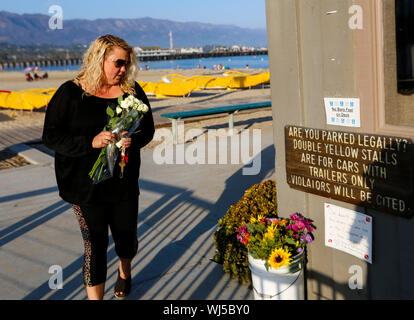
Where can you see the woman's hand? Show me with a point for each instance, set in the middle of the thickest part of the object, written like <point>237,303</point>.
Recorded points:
<point>103,139</point>
<point>126,142</point>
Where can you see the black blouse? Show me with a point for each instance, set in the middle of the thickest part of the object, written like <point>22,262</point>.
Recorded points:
<point>72,120</point>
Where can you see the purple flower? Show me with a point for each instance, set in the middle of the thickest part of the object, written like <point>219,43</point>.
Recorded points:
<point>306,237</point>
<point>299,250</point>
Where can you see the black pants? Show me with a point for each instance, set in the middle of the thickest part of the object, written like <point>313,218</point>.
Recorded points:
<point>94,221</point>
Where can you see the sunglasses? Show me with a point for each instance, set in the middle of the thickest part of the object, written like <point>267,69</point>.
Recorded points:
<point>119,63</point>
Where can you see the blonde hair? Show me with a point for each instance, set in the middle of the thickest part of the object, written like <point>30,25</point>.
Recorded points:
<point>91,74</point>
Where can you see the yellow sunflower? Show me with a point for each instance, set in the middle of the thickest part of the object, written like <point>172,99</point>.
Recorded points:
<point>279,258</point>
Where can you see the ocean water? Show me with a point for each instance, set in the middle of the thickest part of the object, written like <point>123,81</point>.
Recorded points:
<point>238,62</point>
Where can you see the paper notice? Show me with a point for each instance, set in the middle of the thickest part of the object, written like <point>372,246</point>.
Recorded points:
<point>349,231</point>
<point>343,112</point>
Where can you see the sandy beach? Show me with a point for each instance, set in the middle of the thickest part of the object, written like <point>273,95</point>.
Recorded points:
<point>15,81</point>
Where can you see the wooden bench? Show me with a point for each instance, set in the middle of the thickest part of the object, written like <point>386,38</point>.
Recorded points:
<point>231,110</point>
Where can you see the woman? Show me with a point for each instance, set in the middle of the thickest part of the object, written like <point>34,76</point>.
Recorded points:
<point>75,118</point>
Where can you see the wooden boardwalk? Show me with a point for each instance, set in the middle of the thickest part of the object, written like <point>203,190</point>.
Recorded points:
<point>17,134</point>
<point>175,231</point>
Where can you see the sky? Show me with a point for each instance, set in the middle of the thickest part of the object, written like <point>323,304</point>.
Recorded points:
<point>242,13</point>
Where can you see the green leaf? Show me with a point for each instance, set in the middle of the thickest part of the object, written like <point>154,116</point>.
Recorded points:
<point>290,241</point>
<point>110,112</point>
<point>120,99</point>
<point>112,123</point>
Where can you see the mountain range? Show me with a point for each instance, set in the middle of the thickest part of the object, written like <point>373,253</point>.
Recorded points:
<point>28,29</point>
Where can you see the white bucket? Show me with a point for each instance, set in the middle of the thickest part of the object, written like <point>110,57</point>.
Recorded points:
<point>284,283</point>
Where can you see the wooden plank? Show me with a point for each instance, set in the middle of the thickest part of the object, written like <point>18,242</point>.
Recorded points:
<point>8,138</point>
<point>15,136</point>
<point>20,135</point>
<point>30,134</point>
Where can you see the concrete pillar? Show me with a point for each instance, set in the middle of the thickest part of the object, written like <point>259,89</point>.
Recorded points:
<point>318,49</point>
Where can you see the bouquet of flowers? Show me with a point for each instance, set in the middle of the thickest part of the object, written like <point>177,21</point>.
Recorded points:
<point>276,240</point>
<point>126,117</point>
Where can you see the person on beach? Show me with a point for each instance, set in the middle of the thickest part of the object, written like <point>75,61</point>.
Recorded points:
<point>35,75</point>
<point>73,128</point>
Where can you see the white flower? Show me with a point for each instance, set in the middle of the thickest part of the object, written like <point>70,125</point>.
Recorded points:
<point>131,102</point>
<point>124,104</point>
<point>143,107</point>
<point>118,110</point>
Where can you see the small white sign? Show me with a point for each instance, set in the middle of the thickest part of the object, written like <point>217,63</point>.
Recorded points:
<point>349,231</point>
<point>343,112</point>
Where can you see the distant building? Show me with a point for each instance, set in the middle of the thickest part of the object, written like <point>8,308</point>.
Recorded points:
<point>190,50</point>
<point>220,49</point>
<point>247,49</point>
<point>152,51</point>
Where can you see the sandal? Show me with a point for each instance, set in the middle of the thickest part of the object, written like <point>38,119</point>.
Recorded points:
<point>122,285</point>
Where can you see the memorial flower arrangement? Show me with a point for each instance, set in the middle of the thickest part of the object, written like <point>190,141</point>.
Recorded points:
<point>276,240</point>
<point>126,116</point>
<point>259,198</point>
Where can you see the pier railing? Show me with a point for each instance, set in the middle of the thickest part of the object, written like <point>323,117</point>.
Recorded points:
<point>199,55</point>
<point>41,63</point>
<point>21,63</point>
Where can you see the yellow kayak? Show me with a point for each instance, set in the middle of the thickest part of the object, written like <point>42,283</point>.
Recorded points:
<point>171,85</point>
<point>161,89</point>
<point>244,81</point>
<point>29,99</point>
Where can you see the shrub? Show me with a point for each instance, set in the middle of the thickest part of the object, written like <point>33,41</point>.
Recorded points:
<point>258,199</point>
